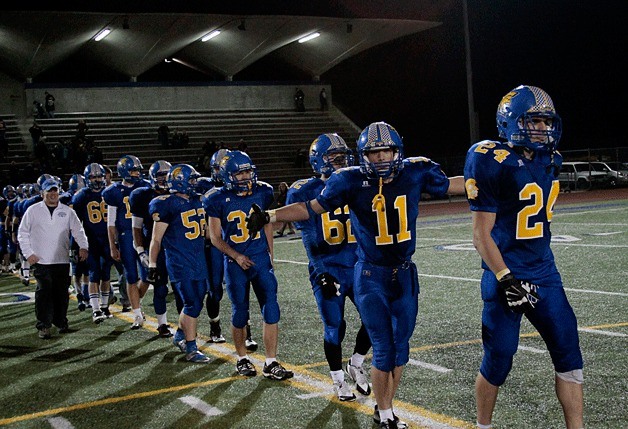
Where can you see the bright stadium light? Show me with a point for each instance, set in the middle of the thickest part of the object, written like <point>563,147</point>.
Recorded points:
<point>309,37</point>
<point>210,35</point>
<point>102,34</point>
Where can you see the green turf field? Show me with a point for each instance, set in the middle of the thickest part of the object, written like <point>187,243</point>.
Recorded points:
<point>107,376</point>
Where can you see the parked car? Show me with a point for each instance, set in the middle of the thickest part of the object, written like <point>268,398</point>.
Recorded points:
<point>614,176</point>
<point>581,175</point>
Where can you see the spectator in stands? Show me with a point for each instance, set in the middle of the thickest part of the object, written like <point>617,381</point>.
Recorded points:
<point>38,110</point>
<point>4,144</point>
<point>81,129</point>
<point>50,104</point>
<point>180,139</point>
<point>299,100</point>
<point>322,97</point>
<point>41,152</point>
<point>93,152</point>
<point>242,146</point>
<point>36,133</point>
<point>163,135</point>
<point>280,201</point>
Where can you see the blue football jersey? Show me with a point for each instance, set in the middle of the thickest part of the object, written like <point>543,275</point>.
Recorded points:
<point>327,238</point>
<point>522,194</point>
<point>66,198</point>
<point>91,209</point>
<point>184,240</point>
<point>139,201</point>
<point>385,237</point>
<point>117,195</point>
<point>232,210</point>
<point>29,202</point>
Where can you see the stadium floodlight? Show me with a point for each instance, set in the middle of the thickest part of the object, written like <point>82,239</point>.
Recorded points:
<point>210,35</point>
<point>309,37</point>
<point>102,34</point>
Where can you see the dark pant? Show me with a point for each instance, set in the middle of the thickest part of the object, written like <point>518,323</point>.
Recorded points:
<point>51,295</point>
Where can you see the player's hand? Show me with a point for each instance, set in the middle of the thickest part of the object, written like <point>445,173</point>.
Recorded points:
<point>520,295</point>
<point>329,285</point>
<point>244,261</point>
<point>151,277</point>
<point>256,220</point>
<point>115,254</point>
<point>143,258</point>
<point>73,256</point>
<point>82,254</point>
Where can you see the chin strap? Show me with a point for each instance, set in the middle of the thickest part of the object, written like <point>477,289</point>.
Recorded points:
<point>379,202</point>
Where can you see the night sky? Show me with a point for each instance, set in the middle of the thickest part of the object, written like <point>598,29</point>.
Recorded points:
<point>570,48</point>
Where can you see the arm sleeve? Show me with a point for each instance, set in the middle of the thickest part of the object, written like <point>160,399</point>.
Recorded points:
<point>137,221</point>
<point>24,236</point>
<point>77,231</point>
<point>112,212</point>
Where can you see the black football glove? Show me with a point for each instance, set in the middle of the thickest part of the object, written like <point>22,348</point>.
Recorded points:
<point>151,277</point>
<point>520,295</point>
<point>329,285</point>
<point>256,220</point>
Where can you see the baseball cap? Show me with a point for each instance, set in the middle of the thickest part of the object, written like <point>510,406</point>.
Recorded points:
<point>49,184</point>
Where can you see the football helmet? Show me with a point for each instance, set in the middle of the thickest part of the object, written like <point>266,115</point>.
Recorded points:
<point>204,184</point>
<point>233,163</point>
<point>41,179</point>
<point>128,164</point>
<point>76,183</point>
<point>215,163</point>
<point>379,136</point>
<point>94,176</point>
<point>182,178</point>
<point>21,188</point>
<point>518,114</point>
<point>34,189</point>
<point>158,174</point>
<point>322,149</point>
<point>9,192</point>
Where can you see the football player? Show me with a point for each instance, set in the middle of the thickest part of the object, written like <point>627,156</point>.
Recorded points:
<point>92,212</point>
<point>179,227</point>
<point>331,249</point>
<point>79,270</point>
<point>120,230</point>
<point>247,258</point>
<point>10,196</point>
<point>139,201</point>
<point>512,187</point>
<point>383,195</point>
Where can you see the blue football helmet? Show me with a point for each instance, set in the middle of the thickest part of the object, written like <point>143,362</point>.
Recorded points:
<point>34,189</point>
<point>322,149</point>
<point>76,183</point>
<point>233,163</point>
<point>21,189</point>
<point>94,176</point>
<point>182,178</point>
<point>158,174</point>
<point>215,163</point>
<point>43,178</point>
<point>204,184</point>
<point>9,192</point>
<point>375,137</point>
<point>518,117</point>
<point>128,164</point>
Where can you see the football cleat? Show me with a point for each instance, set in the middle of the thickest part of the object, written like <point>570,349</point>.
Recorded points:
<point>246,368</point>
<point>44,333</point>
<point>357,374</point>
<point>81,306</point>
<point>164,331</point>
<point>107,313</point>
<point>275,371</point>
<point>217,338</point>
<point>396,423</point>
<point>98,316</point>
<point>343,391</point>
<point>180,344</point>
<point>251,344</point>
<point>196,357</point>
<point>137,323</point>
<point>215,333</point>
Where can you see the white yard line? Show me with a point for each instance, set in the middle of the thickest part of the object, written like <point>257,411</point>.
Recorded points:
<point>200,406</point>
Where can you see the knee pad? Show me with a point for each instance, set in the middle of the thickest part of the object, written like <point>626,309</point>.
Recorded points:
<point>193,310</point>
<point>335,334</point>
<point>270,312</point>
<point>495,368</point>
<point>239,316</point>
<point>574,376</point>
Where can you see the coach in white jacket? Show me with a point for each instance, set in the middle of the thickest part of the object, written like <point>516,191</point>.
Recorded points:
<point>44,237</point>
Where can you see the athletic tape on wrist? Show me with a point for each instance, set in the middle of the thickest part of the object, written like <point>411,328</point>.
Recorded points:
<point>500,275</point>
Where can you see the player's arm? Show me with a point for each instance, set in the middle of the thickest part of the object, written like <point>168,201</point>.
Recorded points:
<point>215,235</point>
<point>456,185</point>
<point>268,230</point>
<point>138,240</point>
<point>483,223</point>
<point>112,232</point>
<point>294,212</point>
<point>159,229</point>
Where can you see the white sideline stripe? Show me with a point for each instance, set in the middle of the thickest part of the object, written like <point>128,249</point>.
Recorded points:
<point>597,291</point>
<point>200,405</point>
<point>531,349</point>
<point>60,423</point>
<point>598,331</point>
<point>291,262</point>
<point>431,366</point>
<point>593,224</point>
<point>312,395</point>
<point>605,246</point>
<point>590,211</point>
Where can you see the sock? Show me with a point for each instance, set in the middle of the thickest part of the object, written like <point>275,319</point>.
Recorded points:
<point>337,376</point>
<point>270,360</point>
<point>488,426</point>
<point>190,346</point>
<point>357,360</point>
<point>104,299</point>
<point>162,319</point>
<point>386,415</point>
<point>243,357</point>
<point>138,312</point>
<point>94,301</point>
<point>179,335</point>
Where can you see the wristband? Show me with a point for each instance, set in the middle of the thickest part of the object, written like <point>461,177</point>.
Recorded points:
<point>272,216</point>
<point>139,249</point>
<point>152,265</point>
<point>500,275</point>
